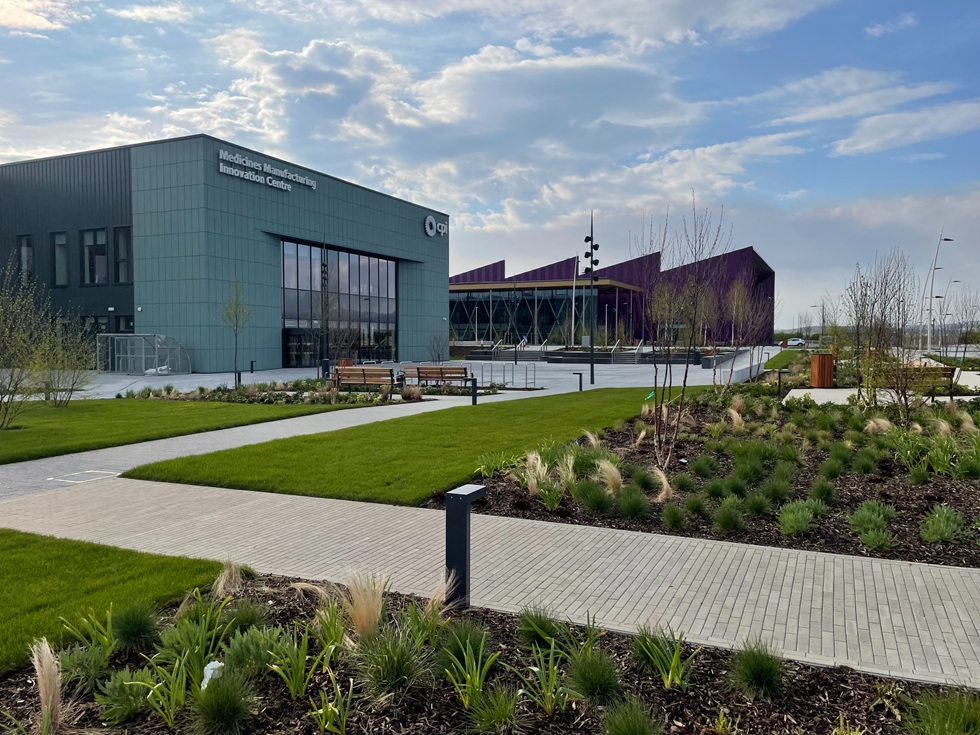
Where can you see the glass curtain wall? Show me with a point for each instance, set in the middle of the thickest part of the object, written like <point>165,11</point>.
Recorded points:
<point>336,303</point>
<point>540,314</point>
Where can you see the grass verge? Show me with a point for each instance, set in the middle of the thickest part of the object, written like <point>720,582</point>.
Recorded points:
<point>405,460</point>
<point>783,360</point>
<point>42,578</point>
<point>46,431</point>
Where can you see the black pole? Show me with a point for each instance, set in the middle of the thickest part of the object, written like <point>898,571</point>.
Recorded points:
<point>473,390</point>
<point>458,503</point>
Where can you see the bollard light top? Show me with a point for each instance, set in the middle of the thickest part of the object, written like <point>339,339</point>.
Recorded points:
<point>467,492</point>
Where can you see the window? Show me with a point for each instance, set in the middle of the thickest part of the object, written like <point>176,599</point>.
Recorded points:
<point>124,254</point>
<point>95,257</point>
<point>25,254</point>
<point>59,257</point>
<point>124,323</point>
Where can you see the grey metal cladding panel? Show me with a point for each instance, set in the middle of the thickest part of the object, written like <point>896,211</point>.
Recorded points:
<point>69,193</point>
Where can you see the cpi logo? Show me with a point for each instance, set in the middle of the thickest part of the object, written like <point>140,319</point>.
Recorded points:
<point>433,228</point>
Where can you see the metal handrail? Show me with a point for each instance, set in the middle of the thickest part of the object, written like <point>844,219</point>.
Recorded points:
<point>615,347</point>
<point>493,350</point>
<point>544,346</point>
<point>636,352</point>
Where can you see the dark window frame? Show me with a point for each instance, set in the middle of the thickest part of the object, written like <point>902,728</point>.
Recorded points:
<point>25,242</point>
<point>84,283</point>
<point>53,239</point>
<point>117,259</point>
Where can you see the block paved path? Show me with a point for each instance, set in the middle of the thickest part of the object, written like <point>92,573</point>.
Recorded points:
<point>914,621</point>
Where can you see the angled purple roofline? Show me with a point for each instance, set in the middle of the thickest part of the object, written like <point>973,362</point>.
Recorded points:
<point>484,274</point>
<point>561,270</point>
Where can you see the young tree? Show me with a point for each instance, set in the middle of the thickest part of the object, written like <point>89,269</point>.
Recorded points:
<point>679,306</point>
<point>236,314</point>
<point>24,324</point>
<point>69,358</point>
<point>439,346</point>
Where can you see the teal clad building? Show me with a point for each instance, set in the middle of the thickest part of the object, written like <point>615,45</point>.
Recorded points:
<point>162,238</point>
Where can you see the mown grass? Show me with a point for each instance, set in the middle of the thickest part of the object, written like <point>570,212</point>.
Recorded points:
<point>403,461</point>
<point>46,431</point>
<point>44,578</point>
<point>783,360</point>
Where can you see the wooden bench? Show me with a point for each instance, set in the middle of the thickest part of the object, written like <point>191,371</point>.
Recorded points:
<point>435,374</point>
<point>928,380</point>
<point>361,375</point>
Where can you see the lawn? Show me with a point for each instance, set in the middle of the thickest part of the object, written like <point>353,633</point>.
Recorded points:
<point>42,578</point>
<point>402,461</point>
<point>46,431</point>
<point>783,360</point>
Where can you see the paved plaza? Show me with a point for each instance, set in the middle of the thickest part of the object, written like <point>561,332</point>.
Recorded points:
<point>914,621</point>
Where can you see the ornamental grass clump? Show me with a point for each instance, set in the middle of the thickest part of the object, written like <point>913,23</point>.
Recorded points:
<point>662,652</point>
<point>137,626</point>
<point>823,490</point>
<point>736,485</point>
<point>630,717</point>
<point>594,675</point>
<point>666,490</point>
<point>775,489</point>
<point>684,483</point>
<point>633,504</point>
<point>609,476</point>
<point>225,707</point>
<point>673,517</point>
<point>757,671</point>
<point>643,480</point>
<point>705,466</point>
<point>716,489</point>
<point>251,652</point>
<point>871,514</point>
<point>832,468</point>
<point>47,673</point>
<point>942,524</point>
<point>757,504</point>
<point>494,711</point>
<point>865,462</point>
<point>393,663</point>
<point>795,518</point>
<point>729,517</point>
<point>953,713</point>
<point>245,614</point>
<point>878,539</point>
<point>538,626</point>
<point>593,497</point>
<point>695,505</point>
<point>365,603</point>
<point>123,696</point>
<point>85,667</point>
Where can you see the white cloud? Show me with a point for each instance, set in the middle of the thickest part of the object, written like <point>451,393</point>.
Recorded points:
<point>897,129</point>
<point>792,195</point>
<point>169,13</point>
<point>917,157</point>
<point>40,15</point>
<point>901,23</point>
<point>844,92</point>
<point>660,22</point>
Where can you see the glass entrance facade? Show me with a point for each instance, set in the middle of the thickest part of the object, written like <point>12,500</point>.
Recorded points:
<point>336,303</point>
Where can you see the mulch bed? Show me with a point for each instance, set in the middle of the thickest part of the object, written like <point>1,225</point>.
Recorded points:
<point>889,483</point>
<point>814,698</point>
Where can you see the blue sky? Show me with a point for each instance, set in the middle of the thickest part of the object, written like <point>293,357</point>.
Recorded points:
<point>829,130</point>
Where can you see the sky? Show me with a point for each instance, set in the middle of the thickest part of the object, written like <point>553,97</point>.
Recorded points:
<point>823,133</point>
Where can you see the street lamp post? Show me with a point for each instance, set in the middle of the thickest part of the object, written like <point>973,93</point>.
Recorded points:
<point>591,262</point>
<point>814,306</point>
<point>932,284</point>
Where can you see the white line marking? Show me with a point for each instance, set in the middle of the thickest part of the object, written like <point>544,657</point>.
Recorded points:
<point>99,475</point>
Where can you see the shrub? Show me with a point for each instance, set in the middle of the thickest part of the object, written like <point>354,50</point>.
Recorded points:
<point>225,707</point>
<point>684,483</point>
<point>136,626</point>
<point>494,711</point>
<point>785,470</point>
<point>120,699</point>
<point>841,452</point>
<point>795,518</point>
<point>942,524</point>
<point>775,489</point>
<point>593,497</point>
<point>736,485</point>
<point>832,468</point>
<point>695,505</point>
<point>823,490</point>
<point>661,651</point>
<point>871,515</point>
<point>537,626</point>
<point>878,539</point>
<point>250,652</point>
<point>716,489</point>
<point>633,503</point>
<point>756,504</point>
<point>594,675</point>
<point>630,717</point>
<point>643,480</point>
<point>749,469</point>
<point>587,457</point>
<point>945,714</point>
<point>729,517</point>
<point>816,506</point>
<point>392,663</point>
<point>757,671</point>
<point>673,517</point>
<point>705,466</point>
<point>788,455</point>
<point>86,667</point>
<point>969,467</point>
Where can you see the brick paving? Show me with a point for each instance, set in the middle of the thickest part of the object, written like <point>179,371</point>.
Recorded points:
<point>914,621</point>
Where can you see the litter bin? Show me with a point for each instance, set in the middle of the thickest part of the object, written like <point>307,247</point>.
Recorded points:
<point>822,370</point>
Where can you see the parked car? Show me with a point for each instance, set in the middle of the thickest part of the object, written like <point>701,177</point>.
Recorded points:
<point>796,342</point>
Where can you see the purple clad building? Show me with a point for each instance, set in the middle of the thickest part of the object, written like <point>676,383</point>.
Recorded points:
<point>555,302</point>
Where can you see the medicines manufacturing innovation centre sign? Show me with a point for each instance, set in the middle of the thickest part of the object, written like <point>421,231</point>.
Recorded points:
<point>264,173</point>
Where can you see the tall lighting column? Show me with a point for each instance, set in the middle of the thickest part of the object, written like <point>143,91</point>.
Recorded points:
<point>591,261</point>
